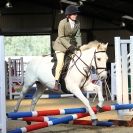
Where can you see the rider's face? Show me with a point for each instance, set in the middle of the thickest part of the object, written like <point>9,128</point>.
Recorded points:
<point>73,16</point>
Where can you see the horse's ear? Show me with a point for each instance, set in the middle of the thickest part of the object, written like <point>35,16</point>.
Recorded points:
<point>98,46</point>
<point>102,45</point>
<point>106,45</point>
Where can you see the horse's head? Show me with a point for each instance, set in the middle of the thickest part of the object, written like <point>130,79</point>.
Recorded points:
<point>100,60</point>
<point>99,57</point>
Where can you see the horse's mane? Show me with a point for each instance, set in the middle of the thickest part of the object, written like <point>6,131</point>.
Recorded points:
<point>93,44</point>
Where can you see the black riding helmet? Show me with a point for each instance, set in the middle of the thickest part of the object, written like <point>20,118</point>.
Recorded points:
<point>71,9</point>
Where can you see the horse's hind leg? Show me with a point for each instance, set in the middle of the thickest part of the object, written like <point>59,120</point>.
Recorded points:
<point>40,90</point>
<point>22,95</point>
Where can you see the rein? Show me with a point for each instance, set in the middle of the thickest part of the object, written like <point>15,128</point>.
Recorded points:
<point>82,62</point>
<point>88,68</point>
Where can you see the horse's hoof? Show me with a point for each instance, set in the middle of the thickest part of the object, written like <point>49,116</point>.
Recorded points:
<point>15,110</point>
<point>99,109</point>
<point>28,122</point>
<point>94,122</point>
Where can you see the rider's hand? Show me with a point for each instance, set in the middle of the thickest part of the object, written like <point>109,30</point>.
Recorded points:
<point>71,49</point>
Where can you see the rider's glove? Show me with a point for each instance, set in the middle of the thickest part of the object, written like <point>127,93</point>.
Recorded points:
<point>71,49</point>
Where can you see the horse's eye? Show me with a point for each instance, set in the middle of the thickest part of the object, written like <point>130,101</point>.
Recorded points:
<point>98,59</point>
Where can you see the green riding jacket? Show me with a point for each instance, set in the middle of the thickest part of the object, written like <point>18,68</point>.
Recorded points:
<point>67,36</point>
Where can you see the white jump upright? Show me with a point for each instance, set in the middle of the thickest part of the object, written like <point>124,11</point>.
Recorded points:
<point>124,57</point>
<point>113,82</point>
<point>2,88</point>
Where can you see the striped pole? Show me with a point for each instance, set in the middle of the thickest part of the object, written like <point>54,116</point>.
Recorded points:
<point>49,123</point>
<point>15,115</point>
<point>87,122</point>
<point>36,119</point>
<point>50,96</point>
<point>75,122</point>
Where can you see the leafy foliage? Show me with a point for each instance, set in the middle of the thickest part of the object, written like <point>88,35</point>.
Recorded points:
<point>27,45</point>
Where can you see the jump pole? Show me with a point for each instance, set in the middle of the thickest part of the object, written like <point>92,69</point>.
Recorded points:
<point>75,122</point>
<point>49,123</point>
<point>36,119</point>
<point>87,122</point>
<point>15,115</point>
<point>2,88</point>
<point>50,96</point>
<point>57,121</point>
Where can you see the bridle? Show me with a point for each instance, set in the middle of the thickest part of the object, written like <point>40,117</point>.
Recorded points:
<point>89,68</point>
<point>104,68</point>
<point>92,68</point>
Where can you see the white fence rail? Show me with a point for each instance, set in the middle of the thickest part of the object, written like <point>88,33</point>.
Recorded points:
<point>2,88</point>
<point>122,72</point>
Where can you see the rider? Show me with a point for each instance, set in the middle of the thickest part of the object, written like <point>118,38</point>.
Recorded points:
<point>69,38</point>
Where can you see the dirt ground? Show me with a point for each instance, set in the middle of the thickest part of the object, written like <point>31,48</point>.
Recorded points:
<point>46,104</point>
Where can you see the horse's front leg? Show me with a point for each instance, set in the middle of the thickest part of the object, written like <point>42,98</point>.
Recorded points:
<point>77,92</point>
<point>98,89</point>
<point>100,95</point>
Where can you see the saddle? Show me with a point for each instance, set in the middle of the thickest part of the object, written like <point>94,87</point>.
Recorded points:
<point>67,60</point>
